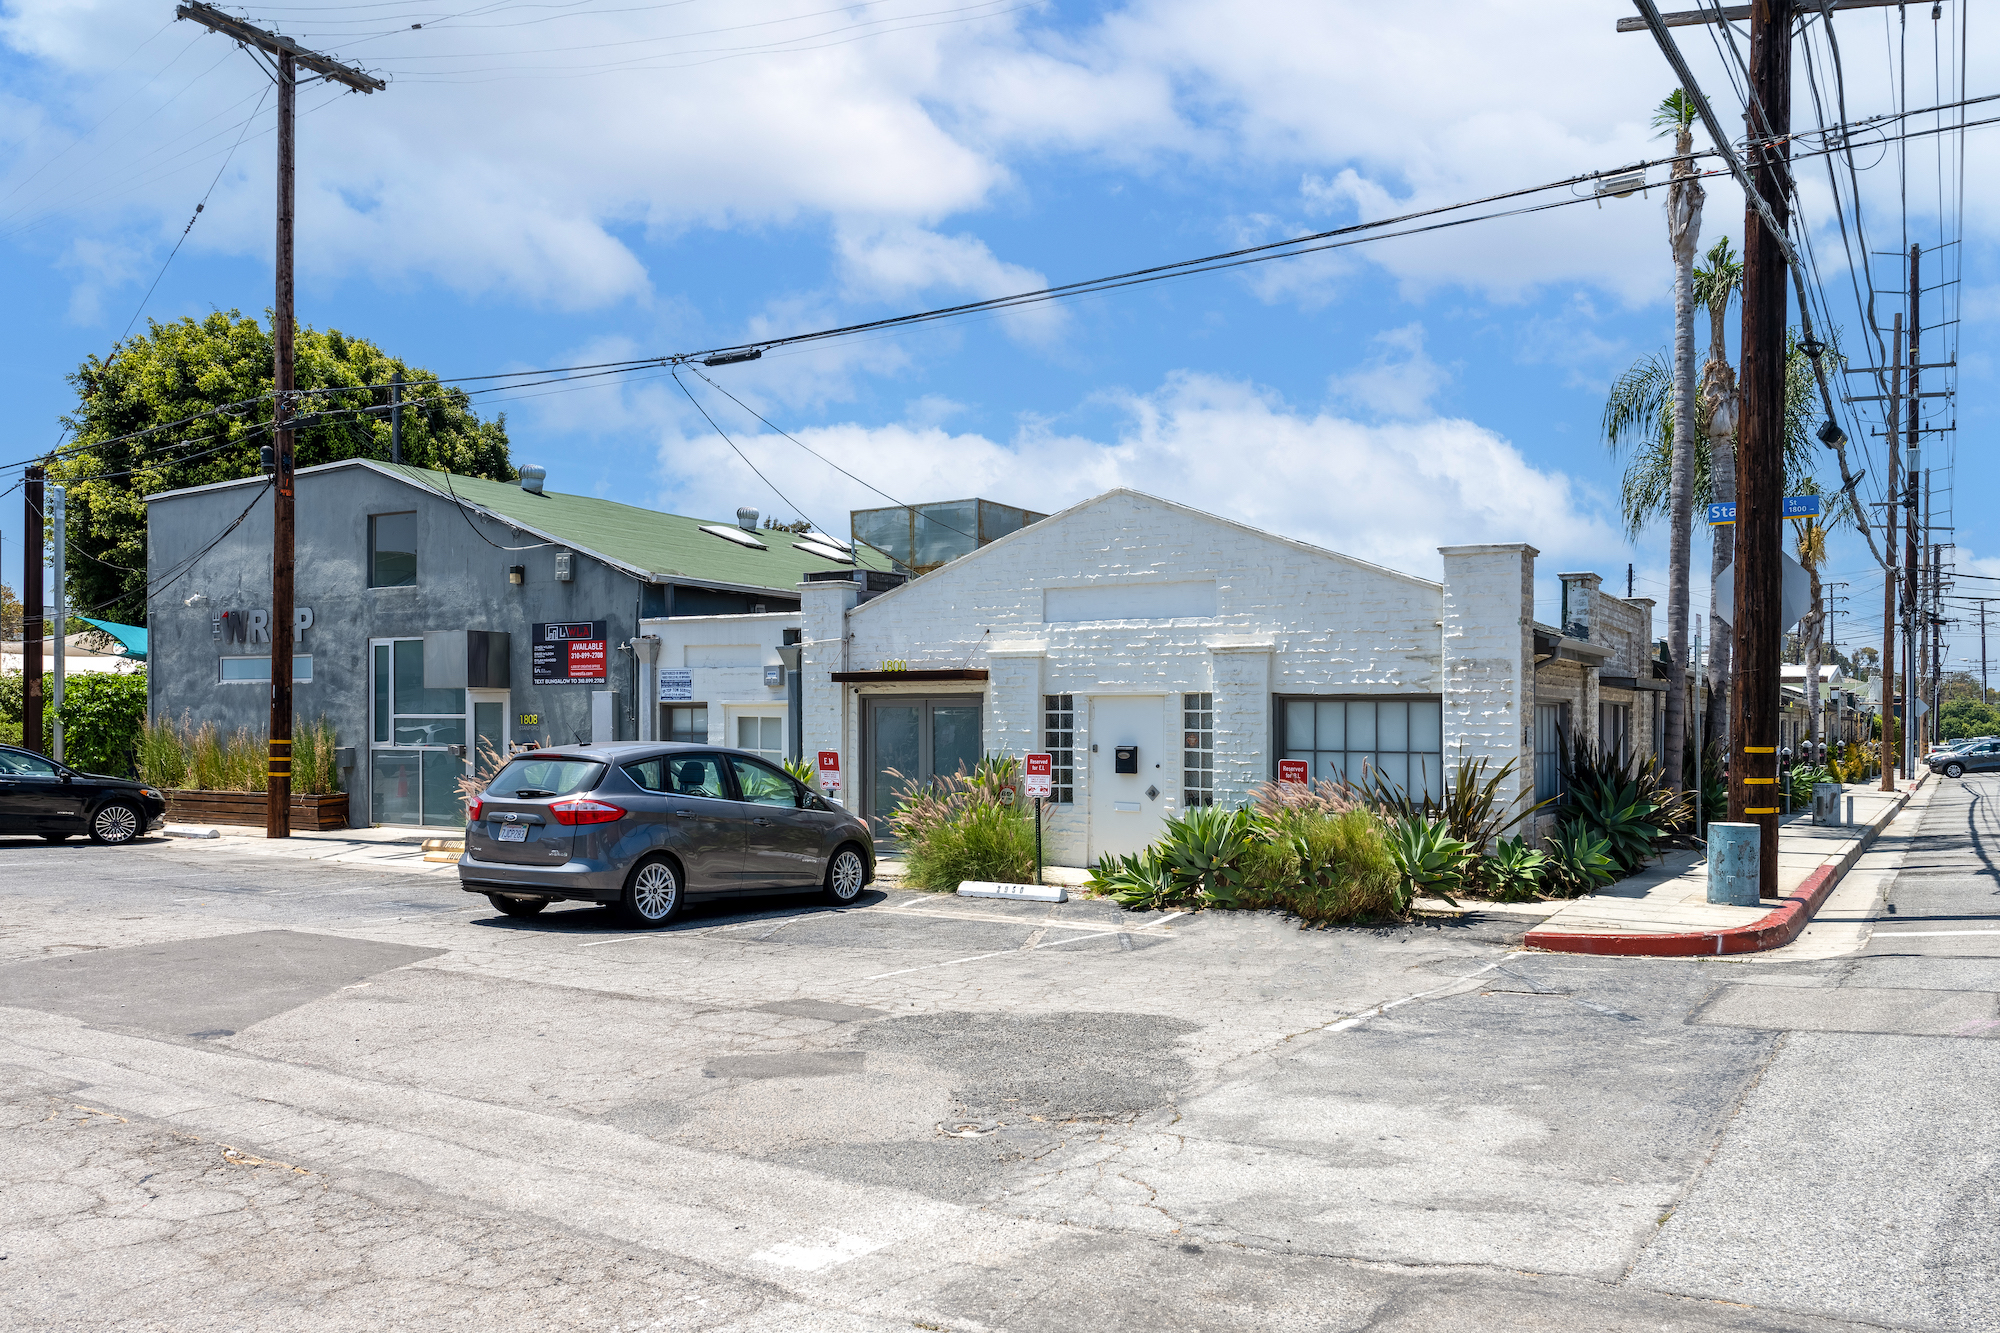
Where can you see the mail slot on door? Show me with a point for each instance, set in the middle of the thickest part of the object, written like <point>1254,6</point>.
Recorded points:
<point>1125,759</point>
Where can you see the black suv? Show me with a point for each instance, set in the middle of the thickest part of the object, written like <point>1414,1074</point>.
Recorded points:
<point>38,795</point>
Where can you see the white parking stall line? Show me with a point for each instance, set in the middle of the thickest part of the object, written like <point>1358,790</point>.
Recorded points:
<point>1925,934</point>
<point>1018,951</point>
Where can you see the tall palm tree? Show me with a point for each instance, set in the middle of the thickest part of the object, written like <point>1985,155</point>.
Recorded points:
<point>1676,113</point>
<point>1811,541</point>
<point>1715,286</point>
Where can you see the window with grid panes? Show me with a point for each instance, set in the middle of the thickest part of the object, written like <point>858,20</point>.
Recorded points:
<point>1059,739</point>
<point>1397,741</point>
<point>1197,750</point>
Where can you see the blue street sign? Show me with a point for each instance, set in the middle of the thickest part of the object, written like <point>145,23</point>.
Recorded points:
<point>1796,506</point>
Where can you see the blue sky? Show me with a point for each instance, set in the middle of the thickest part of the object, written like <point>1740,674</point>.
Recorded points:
<point>553,183</point>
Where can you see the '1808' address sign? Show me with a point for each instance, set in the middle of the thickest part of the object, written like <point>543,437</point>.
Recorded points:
<point>568,652</point>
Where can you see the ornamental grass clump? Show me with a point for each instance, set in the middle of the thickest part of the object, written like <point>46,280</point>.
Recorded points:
<point>1323,867</point>
<point>183,756</point>
<point>957,828</point>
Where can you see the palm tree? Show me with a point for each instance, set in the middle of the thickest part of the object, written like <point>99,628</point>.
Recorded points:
<point>1715,286</point>
<point>1811,540</point>
<point>1684,199</point>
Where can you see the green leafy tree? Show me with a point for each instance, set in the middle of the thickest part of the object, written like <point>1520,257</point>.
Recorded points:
<point>102,715</point>
<point>189,367</point>
<point>12,618</point>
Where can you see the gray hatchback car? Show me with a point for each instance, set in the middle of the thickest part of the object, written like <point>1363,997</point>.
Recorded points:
<point>646,827</point>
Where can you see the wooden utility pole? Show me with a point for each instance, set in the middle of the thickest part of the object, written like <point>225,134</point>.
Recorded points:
<point>283,57</point>
<point>31,612</point>
<point>1888,691</point>
<point>1760,436</point>
<point>1913,681</point>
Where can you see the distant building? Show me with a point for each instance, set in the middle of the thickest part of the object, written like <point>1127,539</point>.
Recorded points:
<point>1167,659</point>
<point>919,538</point>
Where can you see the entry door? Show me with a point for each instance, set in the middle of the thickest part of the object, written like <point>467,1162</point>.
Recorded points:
<point>488,752</point>
<point>1128,810</point>
<point>916,741</point>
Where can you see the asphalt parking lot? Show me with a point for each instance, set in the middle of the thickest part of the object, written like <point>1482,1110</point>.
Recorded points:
<point>305,1096</point>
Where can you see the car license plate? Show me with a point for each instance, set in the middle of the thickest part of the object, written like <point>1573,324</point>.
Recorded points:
<point>513,833</point>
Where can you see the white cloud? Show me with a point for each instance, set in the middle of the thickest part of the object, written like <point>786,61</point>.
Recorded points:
<point>1391,492</point>
<point>899,261</point>
<point>1398,380</point>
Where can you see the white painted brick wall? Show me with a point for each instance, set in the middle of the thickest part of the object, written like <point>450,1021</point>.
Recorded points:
<point>1289,619</point>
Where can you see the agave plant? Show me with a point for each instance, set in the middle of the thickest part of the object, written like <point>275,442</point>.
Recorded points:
<point>1202,846</point>
<point>1620,814</point>
<point>1579,860</point>
<point>1430,859</point>
<point>1138,881</point>
<point>1516,871</point>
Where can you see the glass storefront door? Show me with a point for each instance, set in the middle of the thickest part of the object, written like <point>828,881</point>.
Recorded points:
<point>413,771</point>
<point>913,741</point>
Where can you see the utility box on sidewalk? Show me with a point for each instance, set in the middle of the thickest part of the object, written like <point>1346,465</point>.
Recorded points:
<point>1732,863</point>
<point>1826,802</point>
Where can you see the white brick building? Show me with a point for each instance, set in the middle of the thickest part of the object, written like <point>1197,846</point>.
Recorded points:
<point>1199,650</point>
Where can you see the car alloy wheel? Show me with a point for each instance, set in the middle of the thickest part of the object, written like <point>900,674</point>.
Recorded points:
<point>116,823</point>
<point>1954,770</point>
<point>653,895</point>
<point>845,877</point>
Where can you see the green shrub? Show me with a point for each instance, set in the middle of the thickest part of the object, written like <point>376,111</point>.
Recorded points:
<point>1623,815</point>
<point>1802,779</point>
<point>102,714</point>
<point>990,842</point>
<point>805,770</point>
<point>956,828</point>
<point>1580,860</point>
<point>1323,867</point>
<point>1515,872</point>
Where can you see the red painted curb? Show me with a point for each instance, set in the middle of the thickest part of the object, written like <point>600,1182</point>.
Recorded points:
<point>1770,931</point>
<point>1778,927</point>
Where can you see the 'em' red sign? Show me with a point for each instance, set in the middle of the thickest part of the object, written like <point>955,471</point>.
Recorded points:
<point>829,770</point>
<point>1293,770</point>
<point>1039,770</point>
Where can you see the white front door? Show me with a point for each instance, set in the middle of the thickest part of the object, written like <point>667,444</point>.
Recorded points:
<point>1127,810</point>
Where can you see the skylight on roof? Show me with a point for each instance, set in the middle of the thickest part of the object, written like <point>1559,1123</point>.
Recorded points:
<point>729,534</point>
<point>824,539</point>
<point>823,552</point>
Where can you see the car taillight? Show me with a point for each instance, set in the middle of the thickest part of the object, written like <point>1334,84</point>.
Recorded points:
<point>584,811</point>
<point>472,811</point>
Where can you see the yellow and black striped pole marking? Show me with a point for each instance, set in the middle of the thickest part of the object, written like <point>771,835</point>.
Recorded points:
<point>280,760</point>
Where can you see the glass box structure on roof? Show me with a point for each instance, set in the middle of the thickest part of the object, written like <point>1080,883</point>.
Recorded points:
<point>919,538</point>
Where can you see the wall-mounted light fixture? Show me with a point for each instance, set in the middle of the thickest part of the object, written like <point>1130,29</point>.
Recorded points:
<point>517,574</point>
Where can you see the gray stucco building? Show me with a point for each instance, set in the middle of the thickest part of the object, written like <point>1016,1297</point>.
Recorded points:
<point>442,615</point>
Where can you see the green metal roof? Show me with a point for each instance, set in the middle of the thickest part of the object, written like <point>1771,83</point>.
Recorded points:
<point>667,546</point>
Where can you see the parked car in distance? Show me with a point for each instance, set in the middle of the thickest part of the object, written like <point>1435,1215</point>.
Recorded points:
<point>647,827</point>
<point>40,796</point>
<point>1979,757</point>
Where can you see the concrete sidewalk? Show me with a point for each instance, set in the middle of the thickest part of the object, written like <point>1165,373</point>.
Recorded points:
<point>1665,912</point>
<point>399,849</point>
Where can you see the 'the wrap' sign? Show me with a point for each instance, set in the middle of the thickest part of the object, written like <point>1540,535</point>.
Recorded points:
<point>569,652</point>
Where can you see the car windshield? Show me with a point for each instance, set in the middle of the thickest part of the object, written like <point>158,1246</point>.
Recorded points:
<point>544,775</point>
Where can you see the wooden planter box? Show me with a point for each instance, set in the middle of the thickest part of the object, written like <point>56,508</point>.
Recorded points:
<point>309,813</point>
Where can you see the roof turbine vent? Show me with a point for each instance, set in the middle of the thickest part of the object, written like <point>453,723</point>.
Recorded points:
<point>531,477</point>
<point>746,518</point>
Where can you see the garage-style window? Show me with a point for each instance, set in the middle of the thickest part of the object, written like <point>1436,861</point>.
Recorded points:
<point>687,724</point>
<point>392,550</point>
<point>1355,740</point>
<point>1197,750</point>
<point>1059,739</point>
